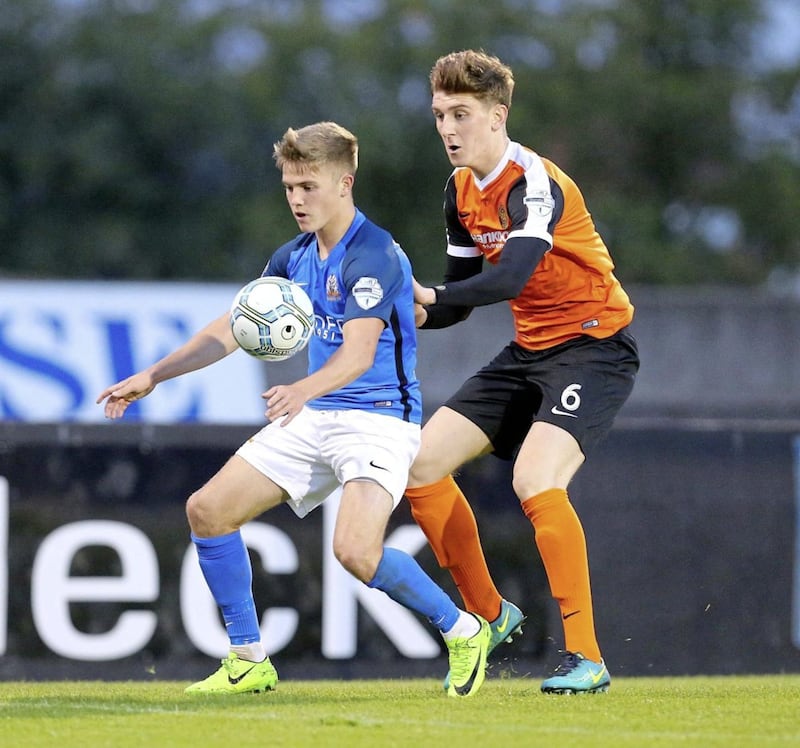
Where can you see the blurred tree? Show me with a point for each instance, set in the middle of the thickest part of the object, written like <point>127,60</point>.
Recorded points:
<point>135,137</point>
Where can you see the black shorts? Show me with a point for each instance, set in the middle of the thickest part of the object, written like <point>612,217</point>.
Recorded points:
<point>579,385</point>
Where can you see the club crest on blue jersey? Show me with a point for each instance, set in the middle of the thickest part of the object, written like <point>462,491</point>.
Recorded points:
<point>332,288</point>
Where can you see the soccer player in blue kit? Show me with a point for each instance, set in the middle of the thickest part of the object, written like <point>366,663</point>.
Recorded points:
<point>352,424</point>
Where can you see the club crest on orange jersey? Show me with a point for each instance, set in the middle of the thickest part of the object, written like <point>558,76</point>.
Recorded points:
<point>502,214</point>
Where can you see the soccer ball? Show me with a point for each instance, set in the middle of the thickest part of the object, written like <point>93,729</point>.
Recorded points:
<point>272,318</point>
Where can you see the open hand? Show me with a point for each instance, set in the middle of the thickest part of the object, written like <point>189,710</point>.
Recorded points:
<point>120,395</point>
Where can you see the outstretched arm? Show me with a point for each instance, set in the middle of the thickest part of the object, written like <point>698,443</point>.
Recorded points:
<point>213,342</point>
<point>500,282</point>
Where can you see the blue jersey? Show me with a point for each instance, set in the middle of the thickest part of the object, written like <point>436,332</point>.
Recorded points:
<point>366,274</point>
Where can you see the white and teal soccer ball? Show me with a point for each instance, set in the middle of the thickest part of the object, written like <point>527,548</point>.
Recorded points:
<point>272,318</point>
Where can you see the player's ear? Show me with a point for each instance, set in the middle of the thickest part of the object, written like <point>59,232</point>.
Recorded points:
<point>499,116</point>
<point>346,185</point>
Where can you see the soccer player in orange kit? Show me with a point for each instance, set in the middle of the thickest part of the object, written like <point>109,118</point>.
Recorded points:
<point>553,392</point>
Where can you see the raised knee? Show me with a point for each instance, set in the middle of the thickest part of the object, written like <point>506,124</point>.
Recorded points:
<point>424,471</point>
<point>202,516</point>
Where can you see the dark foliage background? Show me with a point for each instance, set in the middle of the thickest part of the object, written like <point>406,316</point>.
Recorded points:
<point>135,135</point>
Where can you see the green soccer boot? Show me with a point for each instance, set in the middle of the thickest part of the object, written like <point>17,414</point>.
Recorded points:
<point>506,626</point>
<point>238,676</point>
<point>468,661</point>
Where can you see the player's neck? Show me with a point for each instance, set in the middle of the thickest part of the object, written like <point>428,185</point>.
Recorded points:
<point>489,159</point>
<point>333,231</point>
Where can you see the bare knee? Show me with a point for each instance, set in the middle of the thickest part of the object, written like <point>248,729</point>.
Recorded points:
<point>528,483</point>
<point>448,441</point>
<point>423,471</point>
<point>529,480</point>
<point>359,562</point>
<point>204,516</point>
<point>526,486</point>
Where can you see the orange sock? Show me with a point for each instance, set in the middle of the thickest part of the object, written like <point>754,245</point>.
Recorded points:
<point>445,516</point>
<point>562,546</point>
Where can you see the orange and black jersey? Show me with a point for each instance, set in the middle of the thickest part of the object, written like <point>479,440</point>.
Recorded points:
<point>529,220</point>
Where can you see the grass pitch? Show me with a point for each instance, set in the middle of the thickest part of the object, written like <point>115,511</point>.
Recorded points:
<point>698,711</point>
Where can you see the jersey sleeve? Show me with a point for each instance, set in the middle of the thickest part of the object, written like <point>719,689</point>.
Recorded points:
<point>445,315</point>
<point>373,279</point>
<point>535,205</point>
<point>278,264</point>
<point>498,282</point>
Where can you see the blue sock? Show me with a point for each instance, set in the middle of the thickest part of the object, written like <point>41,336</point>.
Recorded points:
<point>402,579</point>
<point>226,567</point>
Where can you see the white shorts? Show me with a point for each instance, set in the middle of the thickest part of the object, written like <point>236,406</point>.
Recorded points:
<point>321,450</point>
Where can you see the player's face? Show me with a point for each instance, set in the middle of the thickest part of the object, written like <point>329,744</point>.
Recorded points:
<point>315,195</point>
<point>473,131</point>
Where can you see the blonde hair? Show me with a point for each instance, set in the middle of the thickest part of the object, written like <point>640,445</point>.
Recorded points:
<point>473,72</point>
<point>323,143</point>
